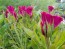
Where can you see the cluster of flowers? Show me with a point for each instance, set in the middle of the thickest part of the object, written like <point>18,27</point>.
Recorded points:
<point>21,10</point>
<point>46,17</point>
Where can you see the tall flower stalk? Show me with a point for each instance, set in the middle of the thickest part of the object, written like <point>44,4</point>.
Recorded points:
<point>48,19</point>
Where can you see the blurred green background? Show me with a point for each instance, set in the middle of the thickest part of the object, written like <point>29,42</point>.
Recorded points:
<point>39,4</point>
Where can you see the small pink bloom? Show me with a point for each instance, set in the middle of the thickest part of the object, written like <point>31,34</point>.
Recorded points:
<point>11,10</point>
<point>29,10</point>
<point>22,10</point>
<point>50,8</point>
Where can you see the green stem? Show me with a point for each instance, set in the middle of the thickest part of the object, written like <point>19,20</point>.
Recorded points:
<point>47,42</point>
<point>25,41</point>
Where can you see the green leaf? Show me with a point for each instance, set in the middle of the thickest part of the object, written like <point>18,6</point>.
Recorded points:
<point>34,37</point>
<point>59,40</point>
<point>3,29</point>
<point>1,19</point>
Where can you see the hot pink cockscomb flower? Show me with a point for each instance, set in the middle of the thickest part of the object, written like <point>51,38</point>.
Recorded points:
<point>50,8</point>
<point>22,10</point>
<point>11,10</point>
<point>47,18</point>
<point>29,10</point>
<point>51,19</point>
<point>25,10</point>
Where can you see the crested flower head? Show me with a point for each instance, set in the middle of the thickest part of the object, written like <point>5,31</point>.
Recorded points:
<point>47,18</point>
<point>22,10</point>
<point>29,10</point>
<point>25,10</point>
<point>11,10</point>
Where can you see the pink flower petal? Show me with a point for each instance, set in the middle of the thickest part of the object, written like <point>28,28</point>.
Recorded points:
<point>57,20</point>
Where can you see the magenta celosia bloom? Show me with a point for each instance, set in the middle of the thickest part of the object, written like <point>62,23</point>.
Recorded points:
<point>22,10</point>
<point>50,8</point>
<point>25,10</point>
<point>11,10</point>
<point>47,18</point>
<point>29,10</point>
